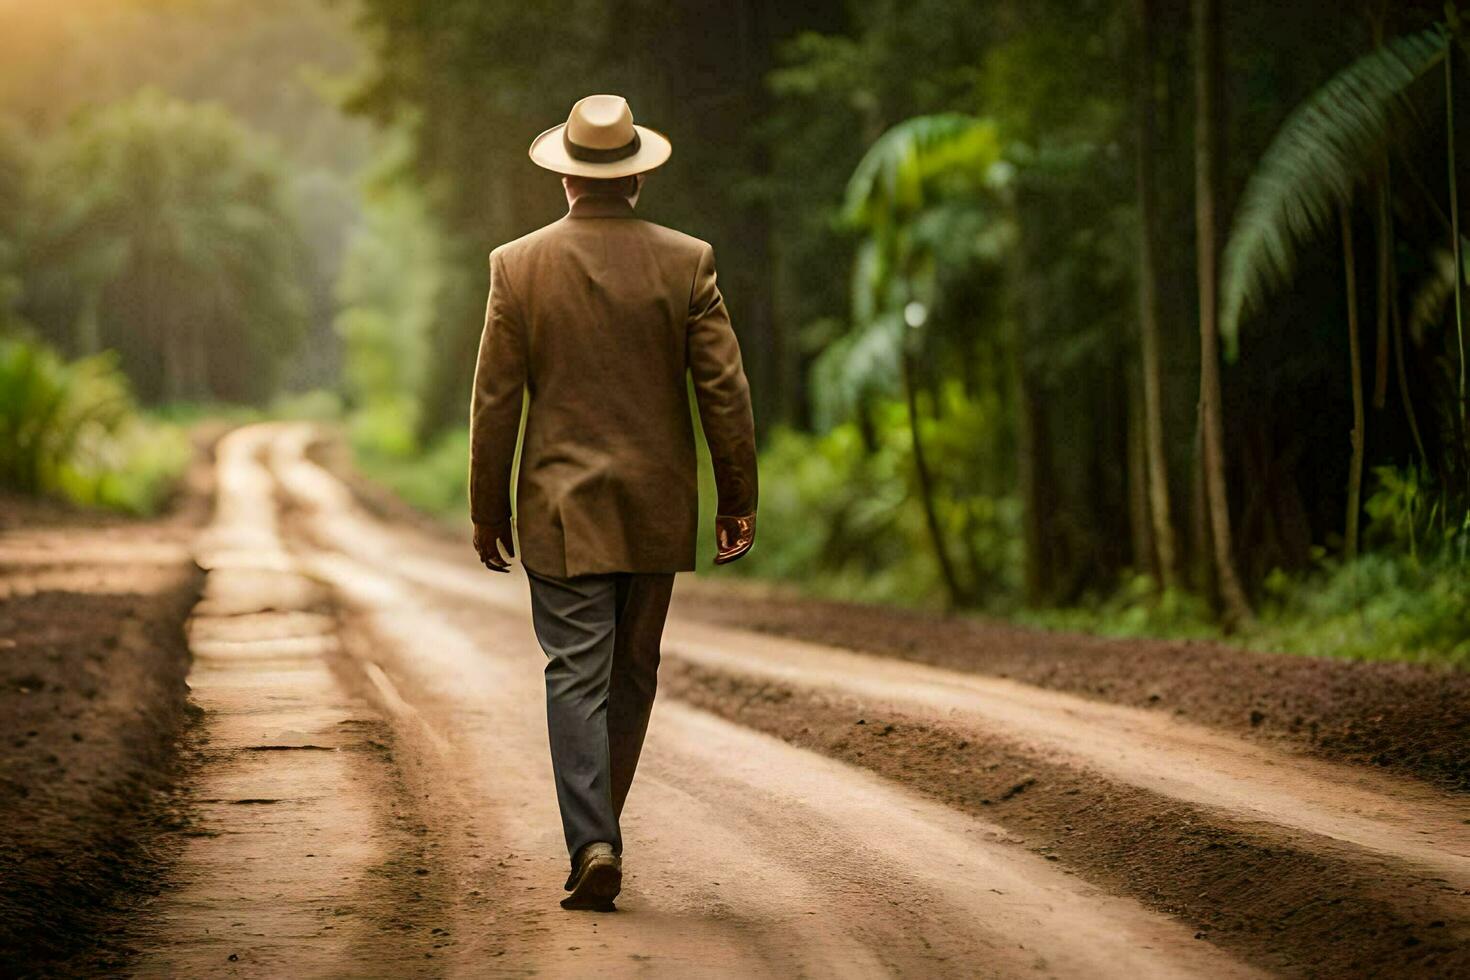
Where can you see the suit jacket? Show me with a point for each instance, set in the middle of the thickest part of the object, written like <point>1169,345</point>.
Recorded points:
<point>600,317</point>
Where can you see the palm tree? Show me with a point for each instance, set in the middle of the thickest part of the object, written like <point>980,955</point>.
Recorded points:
<point>1207,136</point>
<point>904,196</point>
<point>1335,143</point>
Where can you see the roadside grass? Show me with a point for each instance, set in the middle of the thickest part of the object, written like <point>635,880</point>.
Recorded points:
<point>435,481</point>
<point>70,430</point>
<point>1381,607</point>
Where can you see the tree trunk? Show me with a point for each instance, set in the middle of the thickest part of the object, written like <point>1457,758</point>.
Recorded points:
<point>1355,469</point>
<point>1165,561</point>
<point>1449,101</point>
<point>1031,480</point>
<point>88,338</point>
<point>1385,257</point>
<point>173,366</point>
<point>1202,555</point>
<point>198,360</point>
<point>1033,469</point>
<point>1403,372</point>
<point>1145,557</point>
<point>1207,80</point>
<point>926,487</point>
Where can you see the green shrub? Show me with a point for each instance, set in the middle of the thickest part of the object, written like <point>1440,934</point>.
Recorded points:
<point>1136,608</point>
<point>435,481</point>
<point>1384,606</point>
<point>843,521</point>
<point>71,430</point>
<point>316,405</point>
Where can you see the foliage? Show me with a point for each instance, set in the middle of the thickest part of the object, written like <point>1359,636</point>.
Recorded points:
<point>277,66</point>
<point>164,233</point>
<point>844,521</point>
<point>16,164</point>
<point>919,197</point>
<point>316,405</point>
<point>1331,145</point>
<point>270,64</point>
<point>435,480</point>
<point>1407,600</point>
<point>1380,607</point>
<point>387,296</point>
<point>1409,513</point>
<point>936,201</point>
<point>1138,607</point>
<point>71,430</point>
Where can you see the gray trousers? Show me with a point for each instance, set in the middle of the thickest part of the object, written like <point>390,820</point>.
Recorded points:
<point>601,635</point>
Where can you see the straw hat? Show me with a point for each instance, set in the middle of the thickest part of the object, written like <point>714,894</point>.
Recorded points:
<point>599,140</point>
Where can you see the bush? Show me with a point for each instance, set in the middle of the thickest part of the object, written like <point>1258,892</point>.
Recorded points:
<point>316,405</point>
<point>1136,608</point>
<point>72,430</point>
<point>1383,606</point>
<point>435,480</point>
<point>845,522</point>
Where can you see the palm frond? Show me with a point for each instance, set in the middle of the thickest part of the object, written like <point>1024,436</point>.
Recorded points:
<point>895,177</point>
<point>861,365</point>
<point>1328,146</point>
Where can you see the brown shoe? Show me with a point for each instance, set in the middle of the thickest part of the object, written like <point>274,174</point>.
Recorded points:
<point>597,880</point>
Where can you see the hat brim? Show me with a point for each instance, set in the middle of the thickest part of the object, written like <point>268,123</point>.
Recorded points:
<point>548,151</point>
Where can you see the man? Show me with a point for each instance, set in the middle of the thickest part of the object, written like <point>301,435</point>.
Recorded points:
<point>599,318</point>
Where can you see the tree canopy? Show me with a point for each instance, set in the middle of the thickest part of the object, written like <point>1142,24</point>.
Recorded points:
<point>161,230</point>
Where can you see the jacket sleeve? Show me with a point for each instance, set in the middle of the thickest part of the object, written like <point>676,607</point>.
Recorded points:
<point>495,405</point>
<point>722,392</point>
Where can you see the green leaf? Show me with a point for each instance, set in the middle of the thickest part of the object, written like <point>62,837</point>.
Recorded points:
<point>897,176</point>
<point>1328,147</point>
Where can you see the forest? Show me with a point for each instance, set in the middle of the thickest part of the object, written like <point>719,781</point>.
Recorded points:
<point>1119,315</point>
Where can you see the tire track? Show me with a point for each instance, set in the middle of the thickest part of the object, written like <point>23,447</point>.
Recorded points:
<point>294,863</point>
<point>759,858</point>
<point>1294,904</point>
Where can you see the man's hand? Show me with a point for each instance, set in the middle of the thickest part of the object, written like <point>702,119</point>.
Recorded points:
<point>486,537</point>
<point>733,537</point>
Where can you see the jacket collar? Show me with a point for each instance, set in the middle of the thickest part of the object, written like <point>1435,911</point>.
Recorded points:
<point>601,206</point>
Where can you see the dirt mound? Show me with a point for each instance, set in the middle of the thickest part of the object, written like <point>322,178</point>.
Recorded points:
<point>1407,718</point>
<point>92,704</point>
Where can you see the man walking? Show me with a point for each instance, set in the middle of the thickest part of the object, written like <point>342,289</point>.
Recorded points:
<point>599,317</point>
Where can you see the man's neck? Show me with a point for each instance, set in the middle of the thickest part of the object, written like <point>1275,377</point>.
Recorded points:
<point>601,206</point>
<point>572,199</point>
<point>577,188</point>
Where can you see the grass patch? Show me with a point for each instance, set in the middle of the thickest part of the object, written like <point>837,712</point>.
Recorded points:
<point>71,430</point>
<point>435,481</point>
<point>1380,607</point>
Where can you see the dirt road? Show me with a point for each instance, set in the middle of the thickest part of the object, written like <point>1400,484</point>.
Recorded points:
<point>376,798</point>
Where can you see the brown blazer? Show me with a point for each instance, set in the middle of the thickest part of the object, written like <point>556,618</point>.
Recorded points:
<point>600,316</point>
